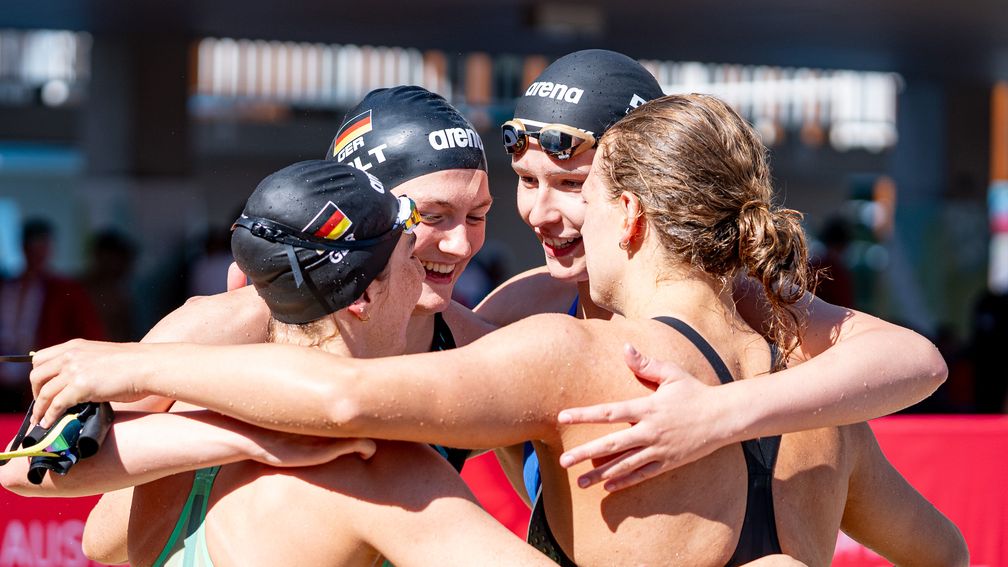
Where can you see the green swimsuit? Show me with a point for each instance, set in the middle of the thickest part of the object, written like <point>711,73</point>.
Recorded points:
<point>187,545</point>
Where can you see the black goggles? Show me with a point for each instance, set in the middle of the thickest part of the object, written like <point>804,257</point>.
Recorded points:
<point>559,141</point>
<point>406,220</point>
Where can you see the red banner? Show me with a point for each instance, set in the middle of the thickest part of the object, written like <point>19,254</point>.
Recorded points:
<point>956,462</point>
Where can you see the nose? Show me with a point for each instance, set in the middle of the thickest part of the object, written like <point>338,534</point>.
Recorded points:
<point>456,242</point>
<point>544,211</point>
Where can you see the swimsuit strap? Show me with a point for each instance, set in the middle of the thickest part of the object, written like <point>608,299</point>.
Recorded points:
<point>573,308</point>
<point>541,537</point>
<point>758,536</point>
<point>191,521</point>
<point>443,338</point>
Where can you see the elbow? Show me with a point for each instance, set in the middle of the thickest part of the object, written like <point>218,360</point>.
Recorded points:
<point>15,479</point>
<point>957,553</point>
<point>343,412</point>
<point>933,369</point>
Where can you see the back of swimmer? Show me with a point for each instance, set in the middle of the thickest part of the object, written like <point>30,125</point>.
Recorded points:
<point>329,250</point>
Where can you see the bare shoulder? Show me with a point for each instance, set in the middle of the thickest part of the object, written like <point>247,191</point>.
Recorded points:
<point>465,325</point>
<point>530,292</point>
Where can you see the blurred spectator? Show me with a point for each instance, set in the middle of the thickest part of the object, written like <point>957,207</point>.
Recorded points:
<point>39,309</point>
<point>108,280</point>
<point>208,272</point>
<point>836,286</point>
<point>990,337</point>
<point>487,270</point>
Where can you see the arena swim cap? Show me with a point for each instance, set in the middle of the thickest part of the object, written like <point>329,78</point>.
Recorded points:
<point>314,235</point>
<point>404,132</point>
<point>589,90</point>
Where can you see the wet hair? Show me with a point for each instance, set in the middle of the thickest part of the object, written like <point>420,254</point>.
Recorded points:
<point>701,174</point>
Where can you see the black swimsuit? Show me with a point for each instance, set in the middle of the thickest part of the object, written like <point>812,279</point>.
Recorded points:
<point>759,528</point>
<point>443,340</point>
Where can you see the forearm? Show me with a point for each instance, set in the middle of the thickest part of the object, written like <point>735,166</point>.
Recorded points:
<point>869,373</point>
<point>140,449</point>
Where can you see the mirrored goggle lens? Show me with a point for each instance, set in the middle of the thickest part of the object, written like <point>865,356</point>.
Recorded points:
<point>409,216</point>
<point>515,139</point>
<point>555,141</point>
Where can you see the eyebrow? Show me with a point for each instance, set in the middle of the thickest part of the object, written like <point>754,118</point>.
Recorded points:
<point>448,204</point>
<point>555,172</point>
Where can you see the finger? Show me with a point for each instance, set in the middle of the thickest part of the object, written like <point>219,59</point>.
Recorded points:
<point>47,354</point>
<point>599,473</point>
<point>365,448</point>
<point>613,412</point>
<point>605,446</point>
<point>650,369</point>
<point>56,400</point>
<point>636,476</point>
<point>235,277</point>
<point>42,373</point>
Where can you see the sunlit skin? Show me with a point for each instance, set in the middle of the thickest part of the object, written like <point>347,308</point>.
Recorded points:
<point>550,202</point>
<point>454,205</point>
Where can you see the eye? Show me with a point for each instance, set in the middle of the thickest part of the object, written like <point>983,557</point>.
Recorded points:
<point>476,219</point>
<point>572,183</point>
<point>431,219</point>
<point>527,180</point>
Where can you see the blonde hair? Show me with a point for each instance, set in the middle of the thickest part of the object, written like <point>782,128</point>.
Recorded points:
<point>701,174</point>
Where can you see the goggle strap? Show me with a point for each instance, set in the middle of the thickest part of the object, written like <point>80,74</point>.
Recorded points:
<point>282,234</point>
<point>295,266</point>
<point>22,431</point>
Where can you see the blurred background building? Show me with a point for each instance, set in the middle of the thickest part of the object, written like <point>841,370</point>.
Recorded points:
<point>137,129</point>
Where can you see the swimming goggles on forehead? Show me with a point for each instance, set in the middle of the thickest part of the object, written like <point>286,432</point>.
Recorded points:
<point>559,141</point>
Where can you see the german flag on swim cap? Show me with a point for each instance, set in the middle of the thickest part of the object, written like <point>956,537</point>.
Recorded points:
<point>404,132</point>
<point>353,129</point>
<point>589,89</point>
<point>302,280</point>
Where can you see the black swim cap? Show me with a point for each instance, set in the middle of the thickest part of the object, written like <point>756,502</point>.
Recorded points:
<point>589,89</point>
<point>404,132</point>
<point>314,235</point>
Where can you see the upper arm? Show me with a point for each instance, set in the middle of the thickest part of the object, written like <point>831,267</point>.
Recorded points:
<point>433,521</point>
<point>235,317</point>
<point>529,293</point>
<point>104,538</point>
<point>888,515</point>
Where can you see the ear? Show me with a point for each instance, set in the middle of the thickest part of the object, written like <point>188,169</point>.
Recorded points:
<point>361,307</point>
<point>633,218</point>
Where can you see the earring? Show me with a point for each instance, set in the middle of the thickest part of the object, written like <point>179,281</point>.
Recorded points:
<point>624,245</point>
<point>364,317</point>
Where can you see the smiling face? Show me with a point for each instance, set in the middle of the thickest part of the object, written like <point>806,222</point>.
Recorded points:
<point>394,294</point>
<point>603,230</point>
<point>454,205</point>
<point>550,202</point>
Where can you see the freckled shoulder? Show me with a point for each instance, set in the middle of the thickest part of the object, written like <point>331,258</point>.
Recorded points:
<point>530,292</point>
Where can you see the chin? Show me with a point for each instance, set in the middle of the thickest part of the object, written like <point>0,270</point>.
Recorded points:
<point>573,274</point>
<point>431,301</point>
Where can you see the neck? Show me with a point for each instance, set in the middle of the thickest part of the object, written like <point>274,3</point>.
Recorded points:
<point>419,333</point>
<point>651,287</point>
<point>322,334</point>
<point>588,309</point>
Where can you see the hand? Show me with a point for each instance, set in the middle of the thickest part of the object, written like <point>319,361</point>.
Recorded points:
<point>292,450</point>
<point>80,371</point>
<point>670,428</point>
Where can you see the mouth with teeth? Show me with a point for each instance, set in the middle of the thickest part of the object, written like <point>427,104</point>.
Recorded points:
<point>559,247</point>
<point>438,272</point>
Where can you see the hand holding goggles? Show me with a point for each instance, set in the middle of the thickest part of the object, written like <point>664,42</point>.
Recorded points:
<point>559,141</point>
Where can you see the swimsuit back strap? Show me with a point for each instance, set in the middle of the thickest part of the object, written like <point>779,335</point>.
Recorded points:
<point>724,375</point>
